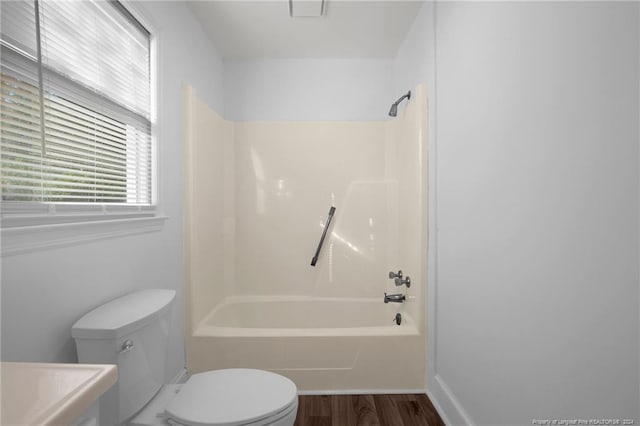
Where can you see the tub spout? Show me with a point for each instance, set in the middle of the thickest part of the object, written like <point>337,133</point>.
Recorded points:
<point>396,298</point>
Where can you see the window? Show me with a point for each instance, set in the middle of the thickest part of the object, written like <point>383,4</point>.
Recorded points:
<point>75,107</point>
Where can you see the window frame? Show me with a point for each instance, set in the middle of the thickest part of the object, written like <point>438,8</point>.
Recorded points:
<point>27,226</point>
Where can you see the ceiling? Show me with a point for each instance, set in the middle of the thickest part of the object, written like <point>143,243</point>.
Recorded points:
<point>263,29</point>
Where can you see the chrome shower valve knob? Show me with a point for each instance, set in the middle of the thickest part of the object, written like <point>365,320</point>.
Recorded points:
<point>393,275</point>
<point>399,281</point>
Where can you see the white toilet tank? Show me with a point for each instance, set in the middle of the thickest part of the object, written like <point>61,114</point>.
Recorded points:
<point>131,332</point>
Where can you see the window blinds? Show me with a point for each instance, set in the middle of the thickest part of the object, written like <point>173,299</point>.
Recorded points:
<point>75,108</point>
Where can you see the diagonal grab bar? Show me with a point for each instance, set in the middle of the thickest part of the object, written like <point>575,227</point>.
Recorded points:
<point>324,233</point>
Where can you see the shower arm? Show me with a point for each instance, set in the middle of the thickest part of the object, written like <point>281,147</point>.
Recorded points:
<point>324,233</point>
<point>393,112</point>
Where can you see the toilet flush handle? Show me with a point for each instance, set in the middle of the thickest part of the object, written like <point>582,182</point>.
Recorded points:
<point>126,346</point>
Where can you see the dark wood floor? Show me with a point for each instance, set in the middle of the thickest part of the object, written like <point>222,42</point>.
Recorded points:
<point>366,410</point>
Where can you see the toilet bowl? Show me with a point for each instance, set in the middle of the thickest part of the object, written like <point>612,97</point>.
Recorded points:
<point>231,397</point>
<point>132,332</point>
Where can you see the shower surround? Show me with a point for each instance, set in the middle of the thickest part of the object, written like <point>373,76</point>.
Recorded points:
<point>257,196</point>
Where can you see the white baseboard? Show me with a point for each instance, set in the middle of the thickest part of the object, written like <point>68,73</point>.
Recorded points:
<point>436,405</point>
<point>360,391</point>
<point>180,377</point>
<point>446,404</point>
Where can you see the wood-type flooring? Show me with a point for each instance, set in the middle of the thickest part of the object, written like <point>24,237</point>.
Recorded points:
<point>367,410</point>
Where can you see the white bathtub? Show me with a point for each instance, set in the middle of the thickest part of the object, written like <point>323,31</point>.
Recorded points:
<point>322,344</point>
<point>305,316</point>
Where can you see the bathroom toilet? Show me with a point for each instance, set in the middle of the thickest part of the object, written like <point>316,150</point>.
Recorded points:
<point>132,332</point>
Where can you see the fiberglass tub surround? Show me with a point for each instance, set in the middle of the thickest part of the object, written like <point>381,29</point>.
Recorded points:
<point>257,195</point>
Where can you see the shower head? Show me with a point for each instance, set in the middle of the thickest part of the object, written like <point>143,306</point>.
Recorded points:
<point>394,107</point>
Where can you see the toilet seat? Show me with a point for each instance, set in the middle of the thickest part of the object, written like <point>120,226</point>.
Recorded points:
<point>233,397</point>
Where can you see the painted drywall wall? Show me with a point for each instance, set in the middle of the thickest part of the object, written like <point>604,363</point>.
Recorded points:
<point>537,246</point>
<point>45,292</point>
<point>308,89</point>
<point>414,62</point>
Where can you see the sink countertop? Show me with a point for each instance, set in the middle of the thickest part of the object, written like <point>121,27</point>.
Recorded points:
<point>51,394</point>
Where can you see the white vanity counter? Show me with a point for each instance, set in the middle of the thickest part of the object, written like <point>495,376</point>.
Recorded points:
<point>51,394</point>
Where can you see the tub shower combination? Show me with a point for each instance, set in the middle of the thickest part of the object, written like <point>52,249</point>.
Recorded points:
<point>273,282</point>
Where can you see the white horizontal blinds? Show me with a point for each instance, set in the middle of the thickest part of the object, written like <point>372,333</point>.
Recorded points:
<point>20,113</point>
<point>18,25</point>
<point>21,137</point>
<point>95,44</point>
<point>97,103</point>
<point>97,130</point>
<point>85,159</point>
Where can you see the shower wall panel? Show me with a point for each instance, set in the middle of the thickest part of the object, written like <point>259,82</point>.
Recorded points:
<point>288,174</point>
<point>208,205</point>
<point>408,159</point>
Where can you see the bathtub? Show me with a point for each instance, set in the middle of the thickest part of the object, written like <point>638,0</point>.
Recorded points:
<point>305,316</point>
<point>322,344</point>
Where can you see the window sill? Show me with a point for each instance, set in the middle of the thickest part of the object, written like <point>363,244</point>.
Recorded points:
<point>18,238</point>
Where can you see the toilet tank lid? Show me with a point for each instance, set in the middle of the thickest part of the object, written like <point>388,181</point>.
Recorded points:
<point>123,315</point>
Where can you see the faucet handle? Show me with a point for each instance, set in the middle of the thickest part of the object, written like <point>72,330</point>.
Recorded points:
<point>393,275</point>
<point>399,281</point>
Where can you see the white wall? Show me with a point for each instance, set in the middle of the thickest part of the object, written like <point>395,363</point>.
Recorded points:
<point>537,245</point>
<point>44,292</point>
<point>415,60</point>
<point>308,89</point>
